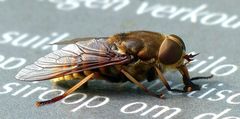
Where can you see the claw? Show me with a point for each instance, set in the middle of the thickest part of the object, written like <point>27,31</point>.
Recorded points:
<point>161,96</point>
<point>189,89</point>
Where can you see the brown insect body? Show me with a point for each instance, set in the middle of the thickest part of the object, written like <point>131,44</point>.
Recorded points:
<point>144,47</point>
<point>132,56</point>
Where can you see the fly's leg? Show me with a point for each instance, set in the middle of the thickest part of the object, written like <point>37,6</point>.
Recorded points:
<point>75,87</point>
<point>189,85</point>
<point>164,81</point>
<point>140,85</point>
<point>201,77</point>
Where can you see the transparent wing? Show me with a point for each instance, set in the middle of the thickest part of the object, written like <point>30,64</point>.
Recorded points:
<point>83,55</point>
<point>77,40</point>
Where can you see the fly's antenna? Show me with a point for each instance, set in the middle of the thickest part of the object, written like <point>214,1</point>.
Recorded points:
<point>189,57</point>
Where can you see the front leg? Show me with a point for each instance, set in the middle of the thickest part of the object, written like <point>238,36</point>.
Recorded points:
<point>141,86</point>
<point>189,85</point>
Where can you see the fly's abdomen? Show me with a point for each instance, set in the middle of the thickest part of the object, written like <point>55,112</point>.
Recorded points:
<point>72,76</point>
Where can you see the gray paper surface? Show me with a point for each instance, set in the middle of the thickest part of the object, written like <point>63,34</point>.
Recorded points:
<point>210,28</point>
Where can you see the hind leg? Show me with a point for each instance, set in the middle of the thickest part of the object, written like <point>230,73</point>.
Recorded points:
<point>75,87</point>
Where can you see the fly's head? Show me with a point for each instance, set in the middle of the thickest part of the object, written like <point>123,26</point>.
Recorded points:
<point>172,52</point>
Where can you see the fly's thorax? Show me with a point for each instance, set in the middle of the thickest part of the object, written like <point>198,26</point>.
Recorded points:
<point>142,45</point>
<point>140,69</point>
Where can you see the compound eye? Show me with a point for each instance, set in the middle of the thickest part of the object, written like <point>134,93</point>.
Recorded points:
<point>180,40</point>
<point>170,52</point>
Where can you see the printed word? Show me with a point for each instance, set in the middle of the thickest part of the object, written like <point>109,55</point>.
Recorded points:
<point>215,66</point>
<point>67,5</point>
<point>18,39</point>
<point>216,116</point>
<point>17,89</point>
<point>193,15</point>
<point>199,14</point>
<point>213,94</point>
<point>142,108</point>
<point>9,63</point>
